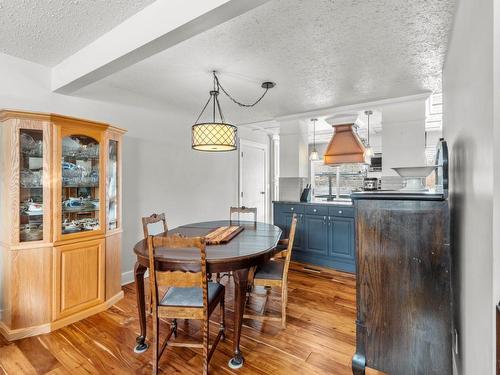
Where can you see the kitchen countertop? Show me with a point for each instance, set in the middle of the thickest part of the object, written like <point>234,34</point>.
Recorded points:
<point>399,195</point>
<point>323,203</point>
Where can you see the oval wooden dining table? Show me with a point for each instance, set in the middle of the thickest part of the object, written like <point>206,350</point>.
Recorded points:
<point>255,245</point>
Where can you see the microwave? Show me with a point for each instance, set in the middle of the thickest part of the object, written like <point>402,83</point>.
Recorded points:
<point>376,163</point>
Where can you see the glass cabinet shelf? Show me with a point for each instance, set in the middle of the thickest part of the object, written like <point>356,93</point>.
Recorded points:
<point>80,184</point>
<point>31,185</point>
<point>112,185</point>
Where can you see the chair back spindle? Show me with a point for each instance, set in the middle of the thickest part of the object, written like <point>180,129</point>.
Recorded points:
<point>243,210</point>
<point>177,278</point>
<point>153,219</point>
<point>291,239</point>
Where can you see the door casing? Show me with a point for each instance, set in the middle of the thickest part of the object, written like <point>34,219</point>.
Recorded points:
<point>264,147</point>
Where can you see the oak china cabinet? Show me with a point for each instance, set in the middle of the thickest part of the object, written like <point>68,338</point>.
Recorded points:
<point>60,223</point>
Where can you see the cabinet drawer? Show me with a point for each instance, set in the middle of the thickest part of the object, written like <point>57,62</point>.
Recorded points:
<point>293,208</point>
<point>317,210</point>
<point>341,211</point>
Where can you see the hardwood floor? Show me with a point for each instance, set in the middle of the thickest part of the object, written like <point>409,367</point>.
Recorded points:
<point>319,338</point>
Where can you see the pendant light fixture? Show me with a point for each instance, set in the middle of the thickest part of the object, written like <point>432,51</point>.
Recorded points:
<point>314,154</point>
<point>217,135</point>
<point>369,151</point>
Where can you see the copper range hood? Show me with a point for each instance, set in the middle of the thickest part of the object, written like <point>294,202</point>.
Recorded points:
<point>345,147</point>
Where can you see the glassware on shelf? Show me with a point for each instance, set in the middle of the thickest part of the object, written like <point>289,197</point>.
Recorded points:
<point>79,225</point>
<point>30,146</point>
<point>31,179</point>
<point>78,176</point>
<point>31,232</point>
<point>80,184</point>
<point>80,147</point>
<point>31,208</point>
<point>31,183</point>
<point>81,204</point>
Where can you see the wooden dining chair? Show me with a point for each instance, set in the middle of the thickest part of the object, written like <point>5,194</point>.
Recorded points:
<point>275,274</point>
<point>189,296</point>
<point>153,219</point>
<point>146,222</point>
<point>243,210</point>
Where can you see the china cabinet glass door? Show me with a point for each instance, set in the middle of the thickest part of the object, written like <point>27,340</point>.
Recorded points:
<point>112,184</point>
<point>80,184</point>
<point>31,185</point>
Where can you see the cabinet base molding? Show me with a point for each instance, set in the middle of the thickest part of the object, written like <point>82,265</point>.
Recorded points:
<point>20,333</point>
<point>17,334</point>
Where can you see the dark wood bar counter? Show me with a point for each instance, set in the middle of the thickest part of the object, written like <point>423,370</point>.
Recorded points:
<point>404,299</point>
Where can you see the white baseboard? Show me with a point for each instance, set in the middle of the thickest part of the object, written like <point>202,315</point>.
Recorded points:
<point>128,277</point>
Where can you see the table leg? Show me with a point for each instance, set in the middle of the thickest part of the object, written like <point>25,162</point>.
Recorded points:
<point>240,291</point>
<point>139,270</point>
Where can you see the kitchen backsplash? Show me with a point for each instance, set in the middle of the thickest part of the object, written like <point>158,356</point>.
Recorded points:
<point>290,188</point>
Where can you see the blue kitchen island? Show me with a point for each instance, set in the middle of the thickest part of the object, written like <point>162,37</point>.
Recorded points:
<point>325,233</point>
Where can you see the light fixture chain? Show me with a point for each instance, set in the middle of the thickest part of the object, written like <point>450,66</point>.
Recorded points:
<point>368,129</point>
<point>314,134</point>
<point>236,101</point>
<point>203,110</point>
<point>220,110</point>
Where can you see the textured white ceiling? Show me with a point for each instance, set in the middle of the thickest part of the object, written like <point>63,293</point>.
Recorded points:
<point>47,31</point>
<point>321,53</point>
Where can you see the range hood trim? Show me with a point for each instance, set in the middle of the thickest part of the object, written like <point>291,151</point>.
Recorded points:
<point>345,147</point>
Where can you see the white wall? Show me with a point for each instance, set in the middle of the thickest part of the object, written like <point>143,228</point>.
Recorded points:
<point>160,171</point>
<point>468,127</point>
<point>403,136</point>
<point>496,156</point>
<point>293,149</point>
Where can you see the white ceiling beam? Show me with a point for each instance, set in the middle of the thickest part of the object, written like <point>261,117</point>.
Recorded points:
<point>156,28</point>
<point>325,112</point>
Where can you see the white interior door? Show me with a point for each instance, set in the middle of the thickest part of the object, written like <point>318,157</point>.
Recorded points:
<point>253,192</point>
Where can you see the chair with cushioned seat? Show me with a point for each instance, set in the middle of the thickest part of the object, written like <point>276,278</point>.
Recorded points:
<point>146,222</point>
<point>189,296</point>
<point>275,274</point>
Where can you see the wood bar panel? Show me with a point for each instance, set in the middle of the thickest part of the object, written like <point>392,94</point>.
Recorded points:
<point>404,320</point>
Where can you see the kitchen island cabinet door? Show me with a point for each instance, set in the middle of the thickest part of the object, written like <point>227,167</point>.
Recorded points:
<point>315,235</point>
<point>341,237</point>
